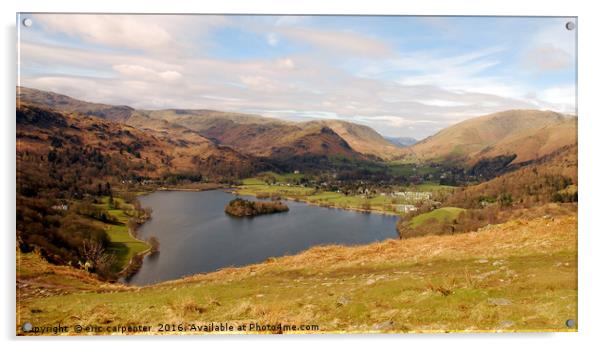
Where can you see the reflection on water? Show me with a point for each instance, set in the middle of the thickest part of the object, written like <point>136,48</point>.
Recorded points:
<point>197,236</point>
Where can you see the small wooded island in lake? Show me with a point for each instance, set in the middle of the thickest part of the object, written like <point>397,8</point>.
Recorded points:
<point>245,208</point>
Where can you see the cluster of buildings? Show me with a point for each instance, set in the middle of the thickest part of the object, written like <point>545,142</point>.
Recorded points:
<point>61,207</point>
<point>404,208</point>
<point>413,195</point>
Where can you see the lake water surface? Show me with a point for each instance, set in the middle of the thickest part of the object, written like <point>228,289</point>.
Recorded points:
<point>197,236</point>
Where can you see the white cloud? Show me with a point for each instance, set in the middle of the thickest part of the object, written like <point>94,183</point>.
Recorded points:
<point>58,56</point>
<point>547,57</point>
<point>461,73</point>
<point>111,30</point>
<point>555,35</point>
<point>259,83</point>
<point>144,73</point>
<point>341,42</point>
<point>147,32</point>
<point>220,98</point>
<point>409,94</point>
<point>560,98</point>
<point>288,20</point>
<point>272,39</point>
<point>392,120</point>
<point>286,63</point>
<point>315,89</point>
<point>442,103</point>
<point>170,75</point>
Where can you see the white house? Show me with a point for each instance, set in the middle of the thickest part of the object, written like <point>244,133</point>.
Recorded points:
<point>405,208</point>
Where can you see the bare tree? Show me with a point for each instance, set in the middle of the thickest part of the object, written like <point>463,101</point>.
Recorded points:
<point>96,257</point>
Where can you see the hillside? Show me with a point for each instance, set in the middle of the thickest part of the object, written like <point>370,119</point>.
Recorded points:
<point>516,135</point>
<point>528,134</point>
<point>534,144</point>
<point>548,185</point>
<point>252,134</point>
<point>203,119</point>
<point>64,103</point>
<point>262,137</point>
<point>363,139</point>
<point>121,151</point>
<point>70,166</point>
<point>268,137</point>
<point>536,183</point>
<point>520,275</point>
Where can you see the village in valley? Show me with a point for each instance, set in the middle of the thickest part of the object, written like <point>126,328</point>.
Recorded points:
<point>331,191</point>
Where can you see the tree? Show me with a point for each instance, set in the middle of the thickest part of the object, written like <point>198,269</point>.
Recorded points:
<point>108,190</point>
<point>154,242</point>
<point>505,200</point>
<point>96,257</point>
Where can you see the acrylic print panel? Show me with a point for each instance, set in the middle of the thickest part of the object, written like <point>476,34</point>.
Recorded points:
<point>232,174</point>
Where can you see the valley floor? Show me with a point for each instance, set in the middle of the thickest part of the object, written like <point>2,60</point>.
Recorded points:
<point>381,204</point>
<point>516,276</point>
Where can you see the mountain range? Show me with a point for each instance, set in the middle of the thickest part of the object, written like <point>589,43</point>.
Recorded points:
<point>524,135</point>
<point>250,134</point>
<point>517,136</point>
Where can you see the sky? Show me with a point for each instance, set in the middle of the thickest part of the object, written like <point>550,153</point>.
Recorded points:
<point>402,76</point>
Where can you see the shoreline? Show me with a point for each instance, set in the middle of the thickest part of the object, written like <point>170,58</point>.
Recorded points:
<point>123,274</point>
<point>234,191</point>
<point>360,210</point>
<point>231,190</point>
<point>210,186</point>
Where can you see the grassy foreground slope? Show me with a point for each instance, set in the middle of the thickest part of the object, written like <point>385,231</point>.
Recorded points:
<point>520,275</point>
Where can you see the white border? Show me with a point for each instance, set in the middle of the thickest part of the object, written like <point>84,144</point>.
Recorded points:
<point>590,134</point>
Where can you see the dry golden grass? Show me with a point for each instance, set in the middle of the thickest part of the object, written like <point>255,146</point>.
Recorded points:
<point>518,237</point>
<point>517,276</point>
<point>528,133</point>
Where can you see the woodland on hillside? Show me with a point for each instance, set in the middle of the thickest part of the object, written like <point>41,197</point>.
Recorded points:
<point>547,187</point>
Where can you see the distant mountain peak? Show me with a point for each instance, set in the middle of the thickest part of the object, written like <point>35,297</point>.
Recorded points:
<point>402,141</point>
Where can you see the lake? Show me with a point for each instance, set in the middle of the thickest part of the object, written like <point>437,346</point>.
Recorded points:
<point>197,236</point>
